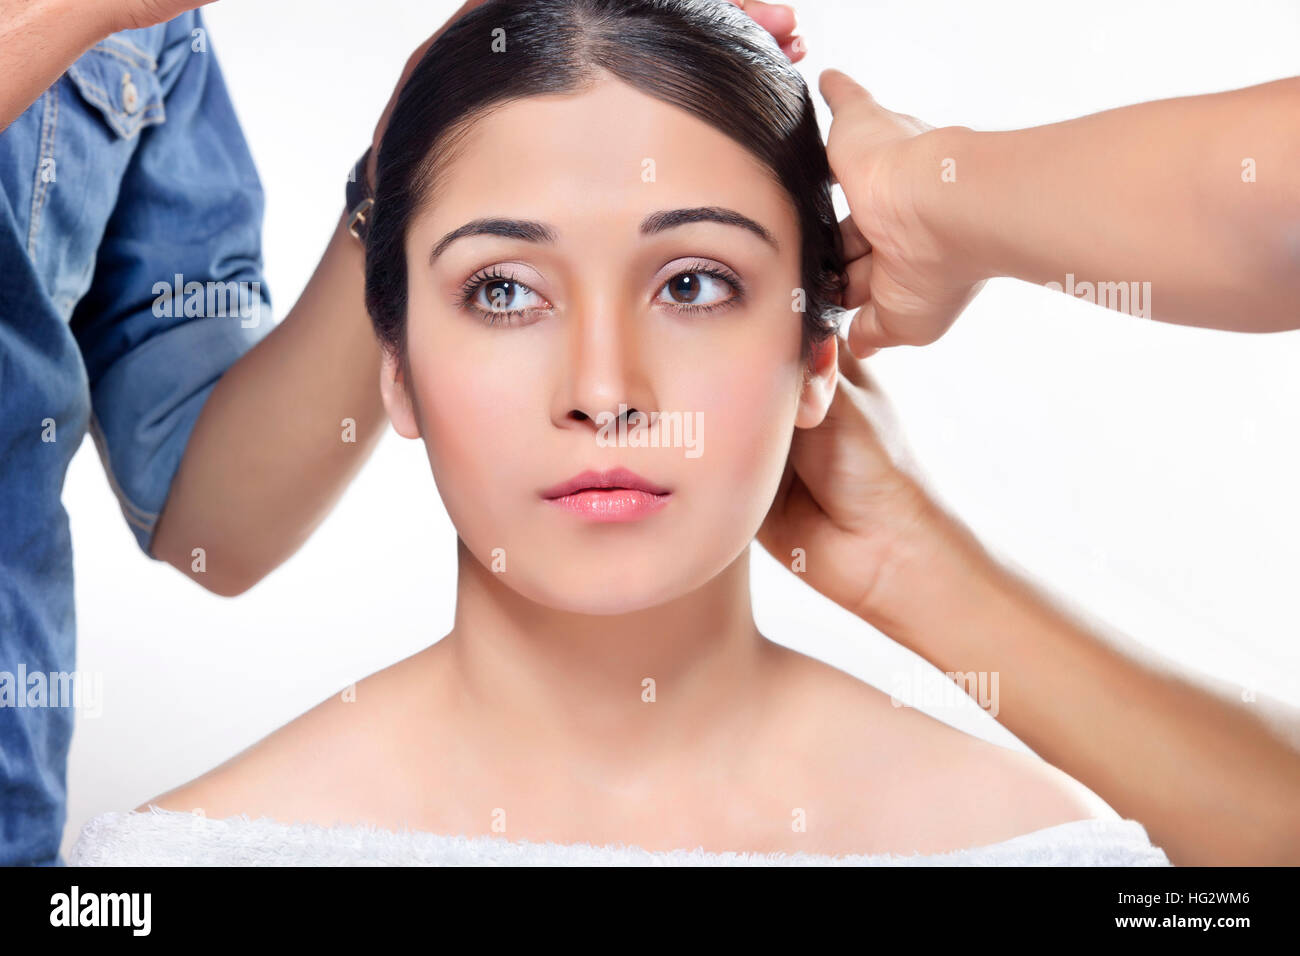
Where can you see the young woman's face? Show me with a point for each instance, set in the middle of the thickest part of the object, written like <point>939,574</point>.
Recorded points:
<point>522,347</point>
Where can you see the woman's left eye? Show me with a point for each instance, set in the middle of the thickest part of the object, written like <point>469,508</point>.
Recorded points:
<point>699,289</point>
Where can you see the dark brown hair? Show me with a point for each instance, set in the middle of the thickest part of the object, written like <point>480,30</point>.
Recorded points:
<point>706,57</point>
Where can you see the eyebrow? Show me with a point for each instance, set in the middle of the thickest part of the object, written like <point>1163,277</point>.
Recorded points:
<point>531,231</point>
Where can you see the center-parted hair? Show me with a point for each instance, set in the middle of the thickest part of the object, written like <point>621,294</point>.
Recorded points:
<point>706,57</point>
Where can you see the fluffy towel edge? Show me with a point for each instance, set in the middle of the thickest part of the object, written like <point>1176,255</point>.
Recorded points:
<point>161,837</point>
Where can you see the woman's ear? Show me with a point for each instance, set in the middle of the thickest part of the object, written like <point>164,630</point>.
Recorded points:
<point>397,397</point>
<point>820,378</point>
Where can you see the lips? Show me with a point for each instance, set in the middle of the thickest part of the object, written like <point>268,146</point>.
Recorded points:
<point>604,480</point>
<point>616,495</point>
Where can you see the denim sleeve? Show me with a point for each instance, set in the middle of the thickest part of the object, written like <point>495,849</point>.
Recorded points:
<point>177,293</point>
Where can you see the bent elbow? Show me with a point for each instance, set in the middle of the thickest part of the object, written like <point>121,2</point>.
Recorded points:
<point>224,581</point>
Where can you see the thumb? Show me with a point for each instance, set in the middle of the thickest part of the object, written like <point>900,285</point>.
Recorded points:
<point>839,90</point>
<point>880,324</point>
<point>866,336</point>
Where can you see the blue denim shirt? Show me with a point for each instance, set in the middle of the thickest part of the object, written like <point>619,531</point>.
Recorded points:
<point>127,193</point>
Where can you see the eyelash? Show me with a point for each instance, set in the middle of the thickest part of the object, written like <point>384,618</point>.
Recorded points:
<point>474,283</point>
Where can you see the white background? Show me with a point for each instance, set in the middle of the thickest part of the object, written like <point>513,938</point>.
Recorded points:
<point>1147,473</point>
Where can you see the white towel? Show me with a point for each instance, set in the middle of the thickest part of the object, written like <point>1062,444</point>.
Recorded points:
<point>172,838</point>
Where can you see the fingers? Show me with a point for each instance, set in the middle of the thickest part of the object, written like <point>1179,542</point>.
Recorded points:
<point>776,18</point>
<point>857,268</point>
<point>793,517</point>
<point>779,20</point>
<point>856,244</point>
<point>858,291</point>
<point>840,90</point>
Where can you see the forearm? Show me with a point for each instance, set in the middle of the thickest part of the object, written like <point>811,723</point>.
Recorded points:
<point>1198,196</point>
<point>271,451</point>
<point>39,39</point>
<point>1211,780</point>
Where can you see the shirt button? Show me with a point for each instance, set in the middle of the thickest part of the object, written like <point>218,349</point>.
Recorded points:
<point>130,95</point>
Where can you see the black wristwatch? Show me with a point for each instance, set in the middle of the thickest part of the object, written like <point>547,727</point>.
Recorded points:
<point>360,197</point>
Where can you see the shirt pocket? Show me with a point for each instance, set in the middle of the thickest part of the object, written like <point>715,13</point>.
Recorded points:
<point>90,127</point>
<point>121,82</point>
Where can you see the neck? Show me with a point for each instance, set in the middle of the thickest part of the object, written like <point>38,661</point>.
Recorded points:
<point>614,688</point>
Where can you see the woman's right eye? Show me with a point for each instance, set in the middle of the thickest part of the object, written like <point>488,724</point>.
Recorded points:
<point>498,298</point>
<point>505,295</point>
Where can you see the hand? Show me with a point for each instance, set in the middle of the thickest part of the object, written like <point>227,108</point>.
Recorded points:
<point>908,285</point>
<point>851,496</point>
<point>779,20</point>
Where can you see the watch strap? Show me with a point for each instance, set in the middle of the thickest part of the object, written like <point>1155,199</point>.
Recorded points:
<point>360,197</point>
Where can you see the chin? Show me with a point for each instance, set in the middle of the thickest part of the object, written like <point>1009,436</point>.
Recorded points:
<point>610,590</point>
<point>621,582</point>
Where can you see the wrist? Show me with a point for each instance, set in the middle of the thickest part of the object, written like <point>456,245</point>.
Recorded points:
<point>372,167</point>
<point>69,21</point>
<point>113,16</point>
<point>933,572</point>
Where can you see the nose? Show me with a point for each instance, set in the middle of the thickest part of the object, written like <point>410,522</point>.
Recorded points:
<point>605,372</point>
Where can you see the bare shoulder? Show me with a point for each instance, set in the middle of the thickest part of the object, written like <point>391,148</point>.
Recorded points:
<point>315,768</point>
<point>899,780</point>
